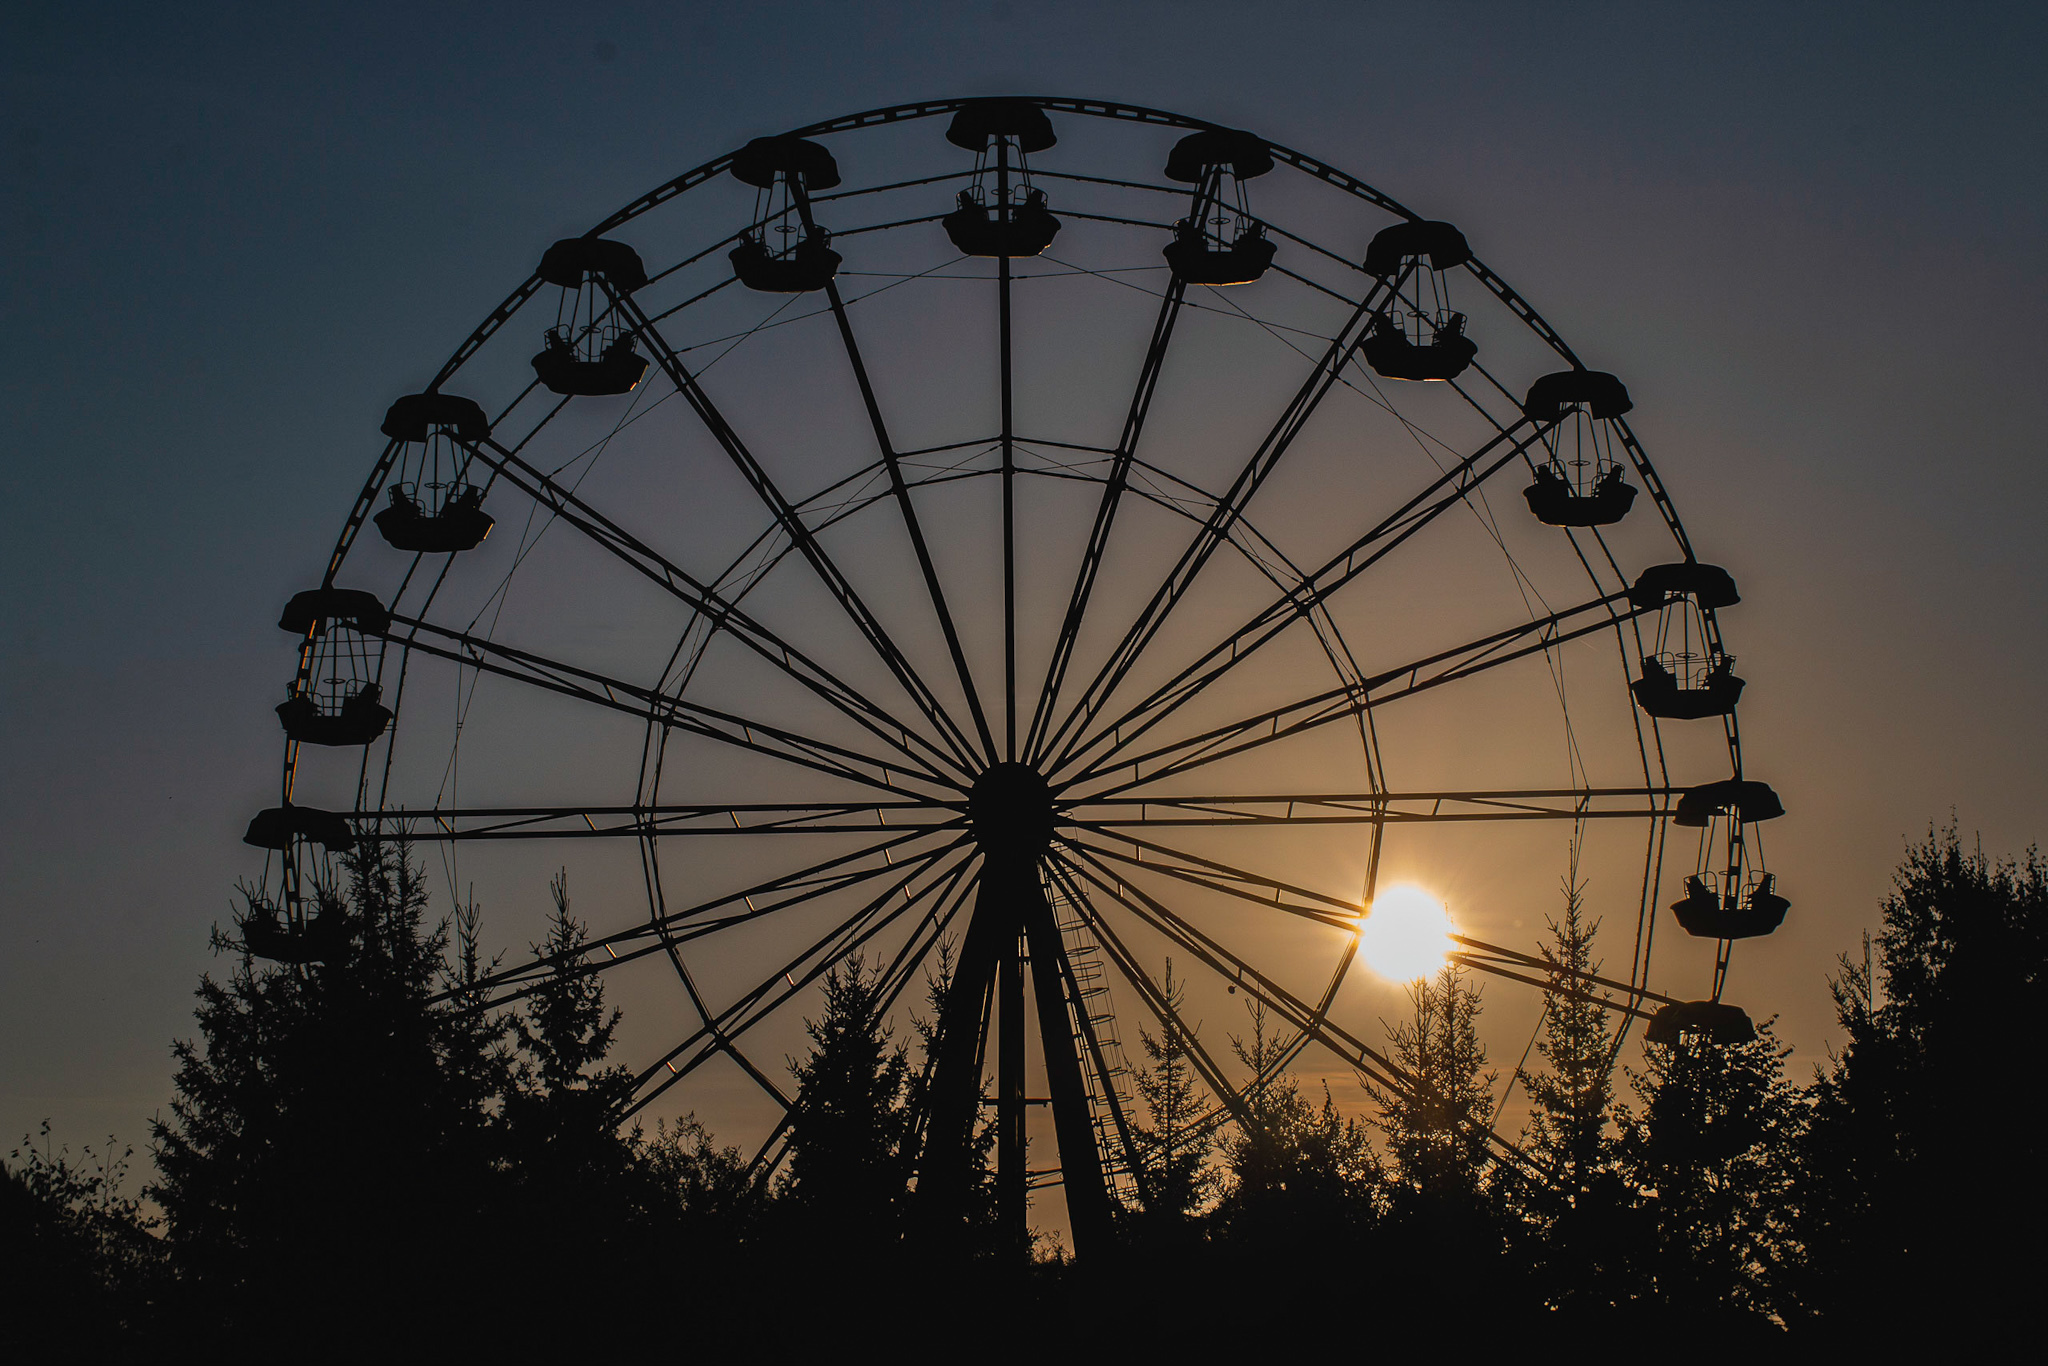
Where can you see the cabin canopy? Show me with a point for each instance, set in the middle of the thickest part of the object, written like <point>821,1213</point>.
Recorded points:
<point>351,606</point>
<point>764,161</point>
<point>418,416</point>
<point>1601,393</point>
<point>1441,244</point>
<point>1243,154</point>
<point>575,261</point>
<point>980,122</point>
<point>275,827</point>
<point>1745,798</point>
<point>1709,585</point>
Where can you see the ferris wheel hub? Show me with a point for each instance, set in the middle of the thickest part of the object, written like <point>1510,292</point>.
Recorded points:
<point>1011,812</point>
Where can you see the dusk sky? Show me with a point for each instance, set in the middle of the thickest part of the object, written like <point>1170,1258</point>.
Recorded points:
<point>1810,239</point>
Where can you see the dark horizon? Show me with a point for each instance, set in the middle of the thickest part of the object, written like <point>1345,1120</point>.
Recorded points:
<point>212,359</point>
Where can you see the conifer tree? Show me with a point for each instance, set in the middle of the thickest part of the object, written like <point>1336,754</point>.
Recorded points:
<point>313,1153</point>
<point>1897,1175</point>
<point>574,1180</point>
<point>1711,1150</point>
<point>1438,1125</point>
<point>979,1233</point>
<point>1174,1148</point>
<point>1574,1207</point>
<point>1569,1097</point>
<point>850,1140</point>
<point>1296,1174</point>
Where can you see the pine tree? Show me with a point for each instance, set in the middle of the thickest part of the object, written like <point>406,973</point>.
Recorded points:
<point>850,1140</point>
<point>575,1180</point>
<point>1296,1174</point>
<point>1897,1178</point>
<point>1711,1150</point>
<point>978,1236</point>
<point>1174,1148</point>
<point>313,1154</point>
<point>1439,1124</point>
<point>1574,1207</point>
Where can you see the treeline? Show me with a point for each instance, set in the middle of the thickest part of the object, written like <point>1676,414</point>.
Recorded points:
<point>360,1159</point>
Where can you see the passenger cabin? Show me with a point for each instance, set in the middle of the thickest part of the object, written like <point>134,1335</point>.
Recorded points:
<point>267,932</point>
<point>1713,1021</point>
<point>1687,674</point>
<point>1219,242</point>
<point>432,508</point>
<point>1426,340</point>
<point>1580,480</point>
<point>1001,213</point>
<point>1716,908</point>
<point>587,353</point>
<point>336,699</point>
<point>1730,896</point>
<point>785,252</point>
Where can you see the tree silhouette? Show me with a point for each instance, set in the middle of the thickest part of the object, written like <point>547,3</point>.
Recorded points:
<point>1295,1173</point>
<point>573,1180</point>
<point>1712,1154</point>
<point>314,1155</point>
<point>1174,1148</point>
<point>977,1233</point>
<point>1438,1126</point>
<point>84,1274</point>
<point>1905,1163</point>
<point>851,1127</point>
<point>1573,1204</point>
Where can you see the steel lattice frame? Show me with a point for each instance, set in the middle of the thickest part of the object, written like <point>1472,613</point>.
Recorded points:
<point>1106,731</point>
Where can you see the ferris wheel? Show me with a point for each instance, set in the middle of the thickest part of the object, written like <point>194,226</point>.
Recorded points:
<point>1056,534</point>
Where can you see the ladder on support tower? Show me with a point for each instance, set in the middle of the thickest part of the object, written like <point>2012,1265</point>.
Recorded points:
<point>1090,1011</point>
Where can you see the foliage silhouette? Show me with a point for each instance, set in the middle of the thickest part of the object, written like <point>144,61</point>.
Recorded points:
<point>1573,1208</point>
<point>1901,1182</point>
<point>83,1275</point>
<point>314,1154</point>
<point>361,1148</point>
<point>851,1137</point>
<point>1711,1155</point>
<point>1174,1148</point>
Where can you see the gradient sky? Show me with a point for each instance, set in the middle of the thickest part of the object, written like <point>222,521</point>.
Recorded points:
<point>1811,238</point>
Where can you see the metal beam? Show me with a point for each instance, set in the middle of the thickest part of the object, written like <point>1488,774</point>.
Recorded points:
<point>835,581</point>
<point>1450,488</point>
<point>719,612</point>
<point>893,462</point>
<point>1292,420</point>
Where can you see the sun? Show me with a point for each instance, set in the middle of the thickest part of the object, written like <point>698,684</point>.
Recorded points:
<point>1406,934</point>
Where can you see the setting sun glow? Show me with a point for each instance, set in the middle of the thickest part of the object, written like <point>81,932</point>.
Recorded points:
<point>1406,934</point>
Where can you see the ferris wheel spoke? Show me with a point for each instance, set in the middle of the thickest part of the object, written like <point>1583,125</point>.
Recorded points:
<point>772,993</point>
<point>1375,808</point>
<point>445,824</point>
<point>1215,531</point>
<point>1105,512</point>
<point>1320,908</point>
<point>1298,603</point>
<point>1519,967</point>
<point>1307,1020</point>
<point>834,579</point>
<point>1150,992</point>
<point>1338,704</point>
<point>652,705</point>
<point>911,525</point>
<point>763,899</point>
<point>720,612</point>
